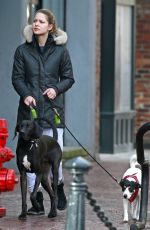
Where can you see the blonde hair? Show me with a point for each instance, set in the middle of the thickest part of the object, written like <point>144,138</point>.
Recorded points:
<point>50,18</point>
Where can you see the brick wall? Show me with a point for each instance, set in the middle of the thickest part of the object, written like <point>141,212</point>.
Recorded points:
<point>142,78</point>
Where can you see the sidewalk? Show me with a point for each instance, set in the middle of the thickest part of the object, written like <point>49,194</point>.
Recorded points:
<point>106,192</point>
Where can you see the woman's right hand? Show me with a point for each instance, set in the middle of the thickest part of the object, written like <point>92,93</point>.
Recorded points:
<point>30,101</point>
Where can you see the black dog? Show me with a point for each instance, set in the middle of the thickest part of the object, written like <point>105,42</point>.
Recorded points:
<point>37,154</point>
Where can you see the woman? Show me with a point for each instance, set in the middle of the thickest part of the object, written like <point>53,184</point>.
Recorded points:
<point>42,72</point>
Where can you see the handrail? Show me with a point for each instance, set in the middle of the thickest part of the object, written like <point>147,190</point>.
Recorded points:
<point>145,176</point>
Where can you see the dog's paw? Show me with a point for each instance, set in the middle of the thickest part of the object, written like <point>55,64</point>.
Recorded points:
<point>52,214</point>
<point>125,221</point>
<point>134,220</point>
<point>22,216</point>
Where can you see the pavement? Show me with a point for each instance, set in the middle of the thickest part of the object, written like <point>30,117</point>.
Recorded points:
<point>104,189</point>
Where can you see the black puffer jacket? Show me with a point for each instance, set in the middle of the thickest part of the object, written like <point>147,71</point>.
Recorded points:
<point>35,71</point>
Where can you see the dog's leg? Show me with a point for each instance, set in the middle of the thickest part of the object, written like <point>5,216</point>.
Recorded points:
<point>23,184</point>
<point>34,193</point>
<point>125,209</point>
<point>55,169</point>
<point>136,209</point>
<point>46,185</point>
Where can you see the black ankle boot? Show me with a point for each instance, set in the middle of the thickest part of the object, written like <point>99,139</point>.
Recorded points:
<point>32,210</point>
<point>62,201</point>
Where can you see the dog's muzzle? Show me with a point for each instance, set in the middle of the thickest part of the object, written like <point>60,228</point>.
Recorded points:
<point>125,196</point>
<point>24,136</point>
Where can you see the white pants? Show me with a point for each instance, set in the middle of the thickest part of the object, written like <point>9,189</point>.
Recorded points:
<point>31,176</point>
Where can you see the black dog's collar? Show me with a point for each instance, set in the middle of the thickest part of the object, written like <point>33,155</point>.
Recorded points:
<point>34,143</point>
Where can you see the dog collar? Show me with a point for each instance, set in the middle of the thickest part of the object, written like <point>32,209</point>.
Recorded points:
<point>34,143</point>
<point>134,195</point>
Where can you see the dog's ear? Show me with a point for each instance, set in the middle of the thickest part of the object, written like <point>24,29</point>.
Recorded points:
<point>121,183</point>
<point>16,131</point>
<point>137,185</point>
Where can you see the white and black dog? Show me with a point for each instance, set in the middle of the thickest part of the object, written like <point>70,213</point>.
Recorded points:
<point>131,188</point>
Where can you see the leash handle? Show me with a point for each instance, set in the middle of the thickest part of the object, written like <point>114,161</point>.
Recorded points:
<point>33,113</point>
<point>56,117</point>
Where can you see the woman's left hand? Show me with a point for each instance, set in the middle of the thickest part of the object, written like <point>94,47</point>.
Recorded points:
<point>50,92</point>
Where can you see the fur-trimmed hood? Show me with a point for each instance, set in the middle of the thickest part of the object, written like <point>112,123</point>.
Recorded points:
<point>60,38</point>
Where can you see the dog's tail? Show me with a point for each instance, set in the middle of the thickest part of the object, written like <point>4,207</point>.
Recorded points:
<point>133,162</point>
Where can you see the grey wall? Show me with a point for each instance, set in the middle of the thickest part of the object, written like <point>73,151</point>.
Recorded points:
<point>80,100</point>
<point>57,8</point>
<point>12,19</point>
